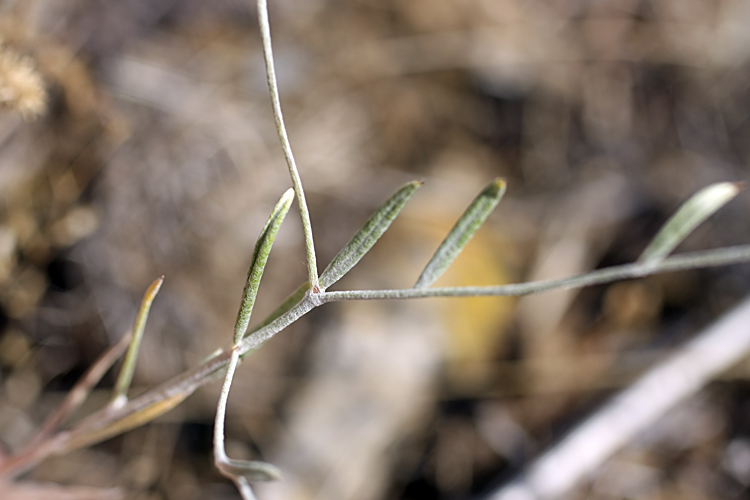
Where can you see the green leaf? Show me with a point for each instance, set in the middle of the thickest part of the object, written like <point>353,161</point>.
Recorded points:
<point>462,232</point>
<point>258,263</point>
<point>690,215</point>
<point>124,379</point>
<point>368,235</point>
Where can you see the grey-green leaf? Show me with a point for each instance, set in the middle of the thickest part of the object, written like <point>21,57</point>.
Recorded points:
<point>258,263</point>
<point>368,235</point>
<point>690,215</point>
<point>253,470</point>
<point>462,232</point>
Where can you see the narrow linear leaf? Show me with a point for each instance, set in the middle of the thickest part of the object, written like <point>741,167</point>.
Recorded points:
<point>690,215</point>
<point>253,470</point>
<point>258,263</point>
<point>124,379</point>
<point>462,232</point>
<point>368,235</point>
<point>240,471</point>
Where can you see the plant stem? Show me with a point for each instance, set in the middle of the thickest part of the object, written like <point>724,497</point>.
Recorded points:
<point>710,258</point>
<point>220,453</point>
<point>273,87</point>
<point>111,421</point>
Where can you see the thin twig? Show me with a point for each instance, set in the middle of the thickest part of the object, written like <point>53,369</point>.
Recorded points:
<point>273,87</point>
<point>81,390</point>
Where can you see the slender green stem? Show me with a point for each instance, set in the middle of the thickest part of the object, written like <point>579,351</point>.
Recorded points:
<point>711,258</point>
<point>119,395</point>
<point>273,87</point>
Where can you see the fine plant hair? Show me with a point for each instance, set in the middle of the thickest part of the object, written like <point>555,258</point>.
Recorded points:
<point>122,413</point>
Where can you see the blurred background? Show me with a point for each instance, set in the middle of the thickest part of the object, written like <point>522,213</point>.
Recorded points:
<point>154,152</point>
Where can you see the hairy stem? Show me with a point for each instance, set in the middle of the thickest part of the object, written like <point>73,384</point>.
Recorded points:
<point>273,87</point>
<point>710,258</point>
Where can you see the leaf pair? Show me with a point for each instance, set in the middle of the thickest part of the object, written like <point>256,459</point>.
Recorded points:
<point>354,250</point>
<point>451,247</point>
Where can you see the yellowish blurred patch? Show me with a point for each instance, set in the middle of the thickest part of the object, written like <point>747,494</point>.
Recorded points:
<point>476,326</point>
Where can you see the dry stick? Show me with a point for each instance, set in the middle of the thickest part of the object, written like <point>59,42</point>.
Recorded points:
<point>36,449</point>
<point>110,422</point>
<point>273,87</point>
<point>681,375</point>
<point>81,390</point>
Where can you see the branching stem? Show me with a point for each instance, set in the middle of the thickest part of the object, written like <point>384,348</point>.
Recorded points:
<point>110,421</point>
<point>710,258</point>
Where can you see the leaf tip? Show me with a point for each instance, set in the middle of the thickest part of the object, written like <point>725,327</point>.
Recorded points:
<point>497,186</point>
<point>412,186</point>
<point>156,285</point>
<point>151,292</point>
<point>286,199</point>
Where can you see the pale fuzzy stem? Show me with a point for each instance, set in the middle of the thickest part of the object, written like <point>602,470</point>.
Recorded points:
<point>265,33</point>
<point>710,258</point>
<point>220,455</point>
<point>223,463</point>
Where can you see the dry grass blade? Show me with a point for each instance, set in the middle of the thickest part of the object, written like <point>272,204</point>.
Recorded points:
<point>82,389</point>
<point>119,396</point>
